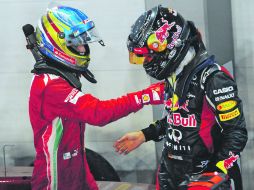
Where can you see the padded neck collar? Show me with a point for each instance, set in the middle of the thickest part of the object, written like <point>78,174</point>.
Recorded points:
<point>72,78</point>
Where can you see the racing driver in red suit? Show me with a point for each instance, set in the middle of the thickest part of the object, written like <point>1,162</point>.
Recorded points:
<point>203,125</point>
<point>57,107</point>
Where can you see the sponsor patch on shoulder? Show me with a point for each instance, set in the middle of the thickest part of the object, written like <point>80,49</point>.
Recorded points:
<point>145,98</point>
<point>224,106</point>
<point>155,95</point>
<point>230,115</point>
<point>73,96</point>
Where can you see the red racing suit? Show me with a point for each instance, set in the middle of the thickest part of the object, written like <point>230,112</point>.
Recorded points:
<point>58,113</point>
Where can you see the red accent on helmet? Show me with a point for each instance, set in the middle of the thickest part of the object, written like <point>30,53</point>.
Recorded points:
<point>53,24</point>
<point>140,51</point>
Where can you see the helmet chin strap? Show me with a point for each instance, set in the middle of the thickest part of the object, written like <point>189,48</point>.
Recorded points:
<point>187,59</point>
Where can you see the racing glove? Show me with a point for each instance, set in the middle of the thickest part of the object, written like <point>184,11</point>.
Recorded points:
<point>226,164</point>
<point>153,95</point>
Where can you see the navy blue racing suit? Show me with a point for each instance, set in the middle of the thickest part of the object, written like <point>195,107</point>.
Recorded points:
<point>204,126</point>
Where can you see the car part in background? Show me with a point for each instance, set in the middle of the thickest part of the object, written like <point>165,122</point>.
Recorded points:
<point>205,181</point>
<point>100,167</point>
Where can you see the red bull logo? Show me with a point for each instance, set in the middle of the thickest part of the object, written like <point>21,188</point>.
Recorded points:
<point>177,120</point>
<point>162,32</point>
<point>173,104</point>
<point>224,165</point>
<point>228,163</point>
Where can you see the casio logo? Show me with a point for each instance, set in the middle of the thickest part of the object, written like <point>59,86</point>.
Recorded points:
<point>223,90</point>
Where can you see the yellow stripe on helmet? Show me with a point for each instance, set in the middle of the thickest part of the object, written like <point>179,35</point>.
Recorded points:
<point>51,31</point>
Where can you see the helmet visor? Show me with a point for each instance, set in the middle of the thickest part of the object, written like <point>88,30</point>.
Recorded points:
<point>135,59</point>
<point>139,59</point>
<point>84,38</point>
<point>139,56</point>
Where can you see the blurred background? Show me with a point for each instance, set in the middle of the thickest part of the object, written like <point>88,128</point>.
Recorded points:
<point>226,27</point>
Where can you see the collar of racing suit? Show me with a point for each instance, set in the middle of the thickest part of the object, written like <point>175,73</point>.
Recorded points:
<point>70,77</point>
<point>187,59</point>
<point>199,62</point>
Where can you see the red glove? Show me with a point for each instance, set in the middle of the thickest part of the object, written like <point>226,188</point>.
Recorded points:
<point>153,95</point>
<point>224,165</point>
